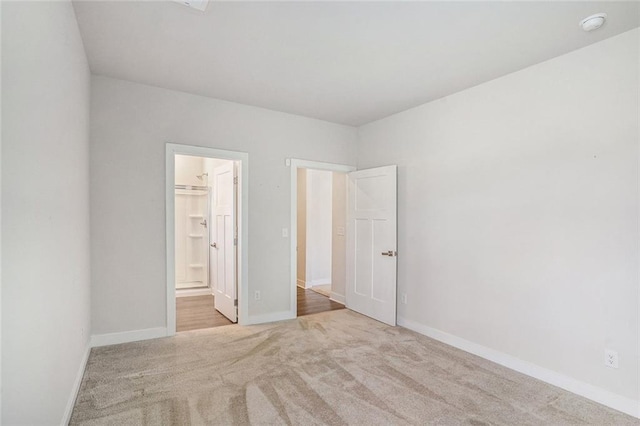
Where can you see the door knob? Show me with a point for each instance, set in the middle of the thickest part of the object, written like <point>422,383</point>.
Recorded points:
<point>214,245</point>
<point>389,253</point>
<point>204,223</point>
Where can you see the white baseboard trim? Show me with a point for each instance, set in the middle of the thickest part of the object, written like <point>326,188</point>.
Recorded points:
<point>338,298</point>
<point>127,336</point>
<point>66,417</point>
<point>187,292</point>
<point>321,281</point>
<point>276,316</point>
<point>594,393</point>
<point>301,283</point>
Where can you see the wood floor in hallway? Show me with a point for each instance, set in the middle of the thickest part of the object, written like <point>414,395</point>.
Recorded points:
<point>310,302</point>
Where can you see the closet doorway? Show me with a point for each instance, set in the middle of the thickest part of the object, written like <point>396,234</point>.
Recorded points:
<point>206,256</point>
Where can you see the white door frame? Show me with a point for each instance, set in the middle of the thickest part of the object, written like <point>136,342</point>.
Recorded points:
<point>243,225</point>
<point>295,165</point>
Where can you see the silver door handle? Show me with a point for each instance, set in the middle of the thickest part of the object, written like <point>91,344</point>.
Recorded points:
<point>214,245</point>
<point>204,223</point>
<point>390,253</point>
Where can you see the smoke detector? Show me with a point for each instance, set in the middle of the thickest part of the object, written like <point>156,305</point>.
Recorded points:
<point>200,5</point>
<point>593,22</point>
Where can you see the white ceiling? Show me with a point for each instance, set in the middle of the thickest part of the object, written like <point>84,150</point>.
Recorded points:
<point>348,63</point>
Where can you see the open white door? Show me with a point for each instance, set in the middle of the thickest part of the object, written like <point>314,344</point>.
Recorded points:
<point>224,243</point>
<point>371,243</point>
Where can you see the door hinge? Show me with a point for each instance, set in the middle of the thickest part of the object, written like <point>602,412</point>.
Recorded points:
<point>235,302</point>
<point>235,241</point>
<point>235,180</point>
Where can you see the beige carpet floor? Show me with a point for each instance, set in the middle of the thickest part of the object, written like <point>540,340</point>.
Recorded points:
<point>336,368</point>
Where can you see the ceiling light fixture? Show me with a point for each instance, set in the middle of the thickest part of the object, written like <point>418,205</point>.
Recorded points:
<point>593,22</point>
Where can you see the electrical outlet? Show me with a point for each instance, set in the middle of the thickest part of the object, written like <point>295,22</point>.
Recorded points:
<point>611,358</point>
<point>285,232</point>
<point>403,298</point>
<point>257,295</point>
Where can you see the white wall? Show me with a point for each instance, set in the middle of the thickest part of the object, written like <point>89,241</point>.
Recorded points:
<point>187,168</point>
<point>301,225</point>
<point>518,212</point>
<point>130,124</point>
<point>318,232</point>
<point>45,217</point>
<point>339,239</point>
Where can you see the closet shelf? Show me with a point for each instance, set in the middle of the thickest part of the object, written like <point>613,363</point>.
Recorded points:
<point>196,235</point>
<point>196,216</point>
<point>196,265</point>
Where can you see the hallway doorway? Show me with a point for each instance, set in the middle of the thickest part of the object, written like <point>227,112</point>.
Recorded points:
<point>319,236</point>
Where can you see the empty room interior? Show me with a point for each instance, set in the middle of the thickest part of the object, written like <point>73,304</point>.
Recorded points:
<point>320,212</point>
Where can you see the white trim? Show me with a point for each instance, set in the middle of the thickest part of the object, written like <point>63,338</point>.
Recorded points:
<point>320,281</point>
<point>336,297</point>
<point>302,284</point>
<point>638,294</point>
<point>188,292</point>
<point>295,165</point>
<point>276,316</point>
<point>638,342</point>
<point>66,417</point>
<point>1,391</point>
<point>594,393</point>
<point>98,340</point>
<point>243,225</point>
